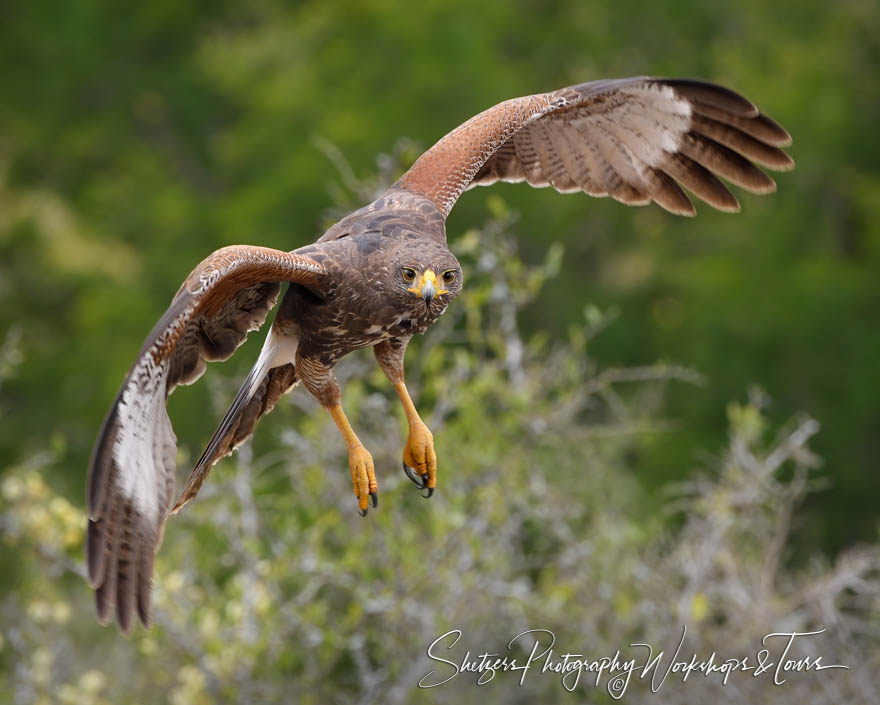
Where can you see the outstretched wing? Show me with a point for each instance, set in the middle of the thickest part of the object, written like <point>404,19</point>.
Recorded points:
<point>635,139</point>
<point>131,475</point>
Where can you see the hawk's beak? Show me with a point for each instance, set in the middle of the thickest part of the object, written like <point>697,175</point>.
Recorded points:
<point>428,291</point>
<point>427,287</point>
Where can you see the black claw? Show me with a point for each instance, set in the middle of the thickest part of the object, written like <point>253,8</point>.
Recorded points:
<point>375,499</point>
<point>430,492</point>
<point>363,512</point>
<point>415,479</point>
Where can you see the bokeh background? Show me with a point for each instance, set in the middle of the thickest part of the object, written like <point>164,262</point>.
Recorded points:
<point>627,405</point>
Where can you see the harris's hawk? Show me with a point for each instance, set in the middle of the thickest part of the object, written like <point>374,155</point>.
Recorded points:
<point>384,273</point>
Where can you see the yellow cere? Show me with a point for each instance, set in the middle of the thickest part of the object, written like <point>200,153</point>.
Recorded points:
<point>427,276</point>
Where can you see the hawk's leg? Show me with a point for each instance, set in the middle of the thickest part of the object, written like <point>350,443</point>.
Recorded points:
<point>419,458</point>
<point>318,379</point>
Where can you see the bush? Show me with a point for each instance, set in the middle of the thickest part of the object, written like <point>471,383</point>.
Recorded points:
<point>270,588</point>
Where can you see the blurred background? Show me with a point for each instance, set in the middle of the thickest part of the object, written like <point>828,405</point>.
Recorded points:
<point>653,457</point>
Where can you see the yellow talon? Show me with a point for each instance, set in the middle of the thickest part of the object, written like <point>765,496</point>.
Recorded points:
<point>419,458</point>
<point>419,453</point>
<point>363,476</point>
<point>360,462</point>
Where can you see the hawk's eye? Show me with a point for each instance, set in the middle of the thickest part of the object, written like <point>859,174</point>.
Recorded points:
<point>449,276</point>
<point>409,274</point>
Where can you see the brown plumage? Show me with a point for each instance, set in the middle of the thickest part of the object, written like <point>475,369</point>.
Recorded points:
<point>383,274</point>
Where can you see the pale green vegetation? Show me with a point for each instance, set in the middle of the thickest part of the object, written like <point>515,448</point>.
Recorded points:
<point>270,588</point>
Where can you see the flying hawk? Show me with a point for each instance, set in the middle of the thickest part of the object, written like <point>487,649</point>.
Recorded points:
<point>384,273</point>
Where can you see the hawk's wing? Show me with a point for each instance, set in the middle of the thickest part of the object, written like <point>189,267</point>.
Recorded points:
<point>131,474</point>
<point>635,139</point>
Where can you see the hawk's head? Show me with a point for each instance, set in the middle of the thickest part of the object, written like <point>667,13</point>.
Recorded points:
<point>426,275</point>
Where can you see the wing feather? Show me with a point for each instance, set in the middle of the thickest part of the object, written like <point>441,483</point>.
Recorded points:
<point>635,139</point>
<point>726,163</point>
<point>669,195</point>
<point>551,146</point>
<point>750,147</point>
<point>624,173</point>
<point>700,182</point>
<point>132,471</point>
<point>524,148</point>
<point>761,127</point>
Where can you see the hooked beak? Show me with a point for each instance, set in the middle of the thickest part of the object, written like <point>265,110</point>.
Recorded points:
<point>428,292</point>
<point>427,287</point>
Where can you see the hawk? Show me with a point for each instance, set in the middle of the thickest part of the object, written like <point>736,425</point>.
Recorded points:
<point>383,274</point>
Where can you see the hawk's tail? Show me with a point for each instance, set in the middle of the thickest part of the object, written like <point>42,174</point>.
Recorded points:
<point>258,394</point>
